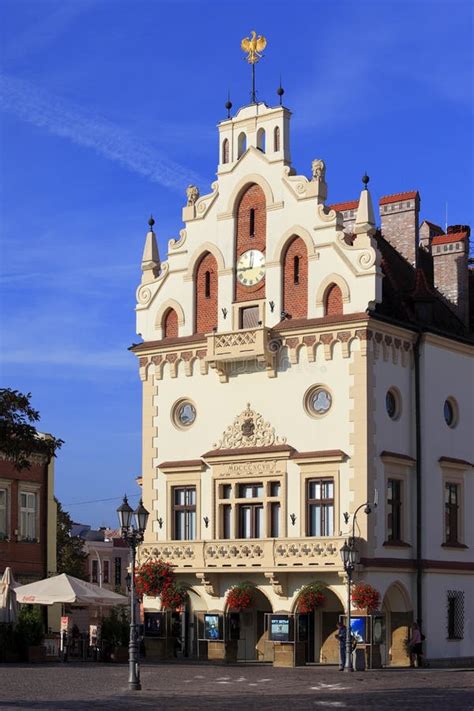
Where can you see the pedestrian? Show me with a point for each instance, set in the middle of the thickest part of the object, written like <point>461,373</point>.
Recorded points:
<point>341,638</point>
<point>416,646</point>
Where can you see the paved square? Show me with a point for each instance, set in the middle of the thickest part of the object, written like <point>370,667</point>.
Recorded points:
<point>193,686</point>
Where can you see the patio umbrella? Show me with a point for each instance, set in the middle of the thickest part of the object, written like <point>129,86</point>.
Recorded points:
<point>67,589</point>
<point>8,606</point>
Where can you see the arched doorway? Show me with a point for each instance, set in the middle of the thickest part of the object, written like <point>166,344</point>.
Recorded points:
<point>184,625</point>
<point>317,629</point>
<point>248,627</point>
<point>398,612</point>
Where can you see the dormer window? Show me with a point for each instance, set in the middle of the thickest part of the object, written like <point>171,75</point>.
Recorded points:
<point>225,151</point>
<point>261,139</point>
<point>242,144</point>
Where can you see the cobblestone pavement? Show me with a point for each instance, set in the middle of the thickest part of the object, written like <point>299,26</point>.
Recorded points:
<point>193,686</point>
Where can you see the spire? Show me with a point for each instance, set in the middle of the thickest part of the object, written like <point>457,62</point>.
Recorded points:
<point>151,257</point>
<point>365,219</point>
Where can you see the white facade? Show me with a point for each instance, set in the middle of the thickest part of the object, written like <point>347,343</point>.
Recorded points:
<point>263,376</point>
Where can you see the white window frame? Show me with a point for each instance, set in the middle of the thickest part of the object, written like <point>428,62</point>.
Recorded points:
<point>29,489</point>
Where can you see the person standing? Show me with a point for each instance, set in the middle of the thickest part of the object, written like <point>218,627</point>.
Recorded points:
<point>416,646</point>
<point>341,638</point>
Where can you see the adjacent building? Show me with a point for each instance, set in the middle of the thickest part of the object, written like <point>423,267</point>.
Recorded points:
<point>298,360</point>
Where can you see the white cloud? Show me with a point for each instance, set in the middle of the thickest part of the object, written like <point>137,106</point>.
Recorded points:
<point>84,128</point>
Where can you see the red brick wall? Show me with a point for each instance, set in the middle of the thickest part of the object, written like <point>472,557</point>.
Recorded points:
<point>333,301</point>
<point>205,306</point>
<point>295,296</point>
<point>170,324</point>
<point>253,197</point>
<point>27,560</point>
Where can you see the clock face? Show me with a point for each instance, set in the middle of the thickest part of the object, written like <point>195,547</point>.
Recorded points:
<point>251,267</point>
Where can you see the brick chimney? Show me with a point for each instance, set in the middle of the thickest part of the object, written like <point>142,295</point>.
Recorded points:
<point>428,230</point>
<point>450,268</point>
<point>399,215</point>
<point>349,212</point>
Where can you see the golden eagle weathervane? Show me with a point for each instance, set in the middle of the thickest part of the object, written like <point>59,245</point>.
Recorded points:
<point>253,46</point>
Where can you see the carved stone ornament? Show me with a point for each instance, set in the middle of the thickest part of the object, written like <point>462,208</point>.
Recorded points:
<point>192,193</point>
<point>318,169</point>
<point>249,429</point>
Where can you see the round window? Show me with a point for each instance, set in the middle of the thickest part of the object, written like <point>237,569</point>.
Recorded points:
<point>318,401</point>
<point>392,404</point>
<point>184,413</point>
<point>450,412</point>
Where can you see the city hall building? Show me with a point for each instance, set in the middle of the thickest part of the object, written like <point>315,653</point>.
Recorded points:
<point>299,359</point>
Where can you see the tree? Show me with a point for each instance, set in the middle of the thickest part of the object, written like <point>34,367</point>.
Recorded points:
<point>19,438</point>
<point>71,557</point>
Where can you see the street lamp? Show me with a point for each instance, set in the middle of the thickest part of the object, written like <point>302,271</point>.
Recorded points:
<point>350,558</point>
<point>132,534</point>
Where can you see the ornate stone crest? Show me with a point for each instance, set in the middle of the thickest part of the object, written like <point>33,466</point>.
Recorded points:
<point>249,429</point>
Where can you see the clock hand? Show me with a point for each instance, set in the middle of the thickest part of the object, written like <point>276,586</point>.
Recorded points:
<point>251,260</point>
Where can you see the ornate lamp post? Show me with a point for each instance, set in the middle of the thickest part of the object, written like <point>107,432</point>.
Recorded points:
<point>350,558</point>
<point>133,534</point>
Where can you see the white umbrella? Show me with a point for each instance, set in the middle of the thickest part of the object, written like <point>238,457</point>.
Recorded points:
<point>66,589</point>
<point>8,606</point>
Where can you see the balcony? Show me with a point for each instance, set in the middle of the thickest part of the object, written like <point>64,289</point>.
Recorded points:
<point>284,554</point>
<point>259,344</point>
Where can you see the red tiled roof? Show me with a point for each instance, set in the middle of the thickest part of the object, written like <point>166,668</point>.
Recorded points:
<point>341,206</point>
<point>387,199</point>
<point>451,237</point>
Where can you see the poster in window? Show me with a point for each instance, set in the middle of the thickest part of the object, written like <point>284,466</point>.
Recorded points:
<point>213,627</point>
<point>280,628</point>
<point>154,624</point>
<point>359,629</point>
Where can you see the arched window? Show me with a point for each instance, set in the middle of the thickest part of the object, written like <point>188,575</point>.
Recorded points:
<point>276,139</point>
<point>170,324</point>
<point>205,294</point>
<point>333,301</point>
<point>225,151</point>
<point>242,144</point>
<point>295,279</point>
<point>296,270</point>
<point>261,139</point>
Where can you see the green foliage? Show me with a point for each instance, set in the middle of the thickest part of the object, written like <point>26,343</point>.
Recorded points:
<point>116,628</point>
<point>30,625</point>
<point>19,438</point>
<point>71,557</point>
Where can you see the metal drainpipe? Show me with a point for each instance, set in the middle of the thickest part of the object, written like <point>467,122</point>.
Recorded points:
<point>419,569</point>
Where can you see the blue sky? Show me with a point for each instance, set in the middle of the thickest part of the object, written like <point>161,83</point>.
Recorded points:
<point>108,111</point>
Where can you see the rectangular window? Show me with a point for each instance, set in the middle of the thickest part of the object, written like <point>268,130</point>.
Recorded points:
<point>106,565</point>
<point>455,609</point>
<point>3,514</point>
<point>451,512</point>
<point>274,488</point>
<point>227,521</point>
<point>252,222</point>
<point>275,519</point>
<point>320,507</point>
<point>184,513</point>
<point>250,521</point>
<point>394,510</point>
<point>249,317</point>
<point>250,491</point>
<point>28,511</point>
<point>226,491</point>
<point>95,571</point>
<point>118,571</point>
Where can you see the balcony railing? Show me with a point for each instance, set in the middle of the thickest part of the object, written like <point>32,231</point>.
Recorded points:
<point>259,344</point>
<point>266,554</point>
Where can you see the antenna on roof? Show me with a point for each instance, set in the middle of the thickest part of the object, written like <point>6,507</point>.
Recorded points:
<point>446,219</point>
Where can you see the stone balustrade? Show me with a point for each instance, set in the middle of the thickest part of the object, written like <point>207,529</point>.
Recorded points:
<point>267,554</point>
<point>259,344</point>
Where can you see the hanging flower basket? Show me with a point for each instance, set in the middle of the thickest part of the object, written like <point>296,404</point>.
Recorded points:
<point>310,598</point>
<point>174,597</point>
<point>239,597</point>
<point>153,577</point>
<point>365,596</point>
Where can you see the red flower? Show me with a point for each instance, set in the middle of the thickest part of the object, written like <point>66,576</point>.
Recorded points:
<point>310,598</point>
<point>153,577</point>
<point>239,597</point>
<point>364,595</point>
<point>174,596</point>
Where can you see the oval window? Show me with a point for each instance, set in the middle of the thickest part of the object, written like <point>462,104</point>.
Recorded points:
<point>184,414</point>
<point>318,401</point>
<point>450,412</point>
<point>392,404</point>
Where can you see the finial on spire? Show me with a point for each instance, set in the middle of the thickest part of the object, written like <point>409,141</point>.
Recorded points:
<point>228,104</point>
<point>365,180</point>
<point>151,222</point>
<point>280,92</point>
<point>254,47</point>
